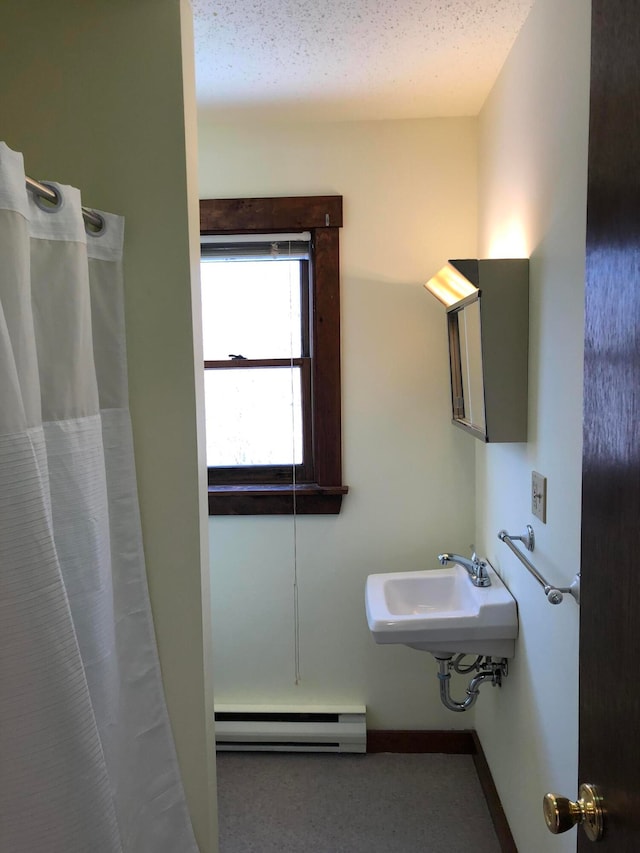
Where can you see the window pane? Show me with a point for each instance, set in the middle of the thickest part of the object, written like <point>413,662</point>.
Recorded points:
<point>254,416</point>
<point>251,308</point>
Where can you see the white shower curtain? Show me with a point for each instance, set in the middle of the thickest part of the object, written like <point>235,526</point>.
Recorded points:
<point>87,761</point>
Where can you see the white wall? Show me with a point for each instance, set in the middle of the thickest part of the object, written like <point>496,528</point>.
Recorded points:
<point>532,191</point>
<point>409,192</point>
<point>97,94</point>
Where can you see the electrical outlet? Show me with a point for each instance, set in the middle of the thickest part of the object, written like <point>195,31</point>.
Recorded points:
<point>539,496</point>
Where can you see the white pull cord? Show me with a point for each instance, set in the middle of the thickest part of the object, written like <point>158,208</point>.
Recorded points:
<point>296,605</point>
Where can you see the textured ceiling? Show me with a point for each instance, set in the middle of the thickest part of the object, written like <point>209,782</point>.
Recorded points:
<point>351,59</point>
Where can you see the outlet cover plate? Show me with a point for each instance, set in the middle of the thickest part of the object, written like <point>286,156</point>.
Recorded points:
<point>539,496</point>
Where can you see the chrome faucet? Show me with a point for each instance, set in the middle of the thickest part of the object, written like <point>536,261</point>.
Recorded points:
<point>476,567</point>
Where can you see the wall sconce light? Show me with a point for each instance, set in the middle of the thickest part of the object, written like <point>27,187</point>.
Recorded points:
<point>453,282</point>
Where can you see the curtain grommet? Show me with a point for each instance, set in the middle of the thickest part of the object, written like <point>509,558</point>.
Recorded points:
<point>48,205</point>
<point>92,228</point>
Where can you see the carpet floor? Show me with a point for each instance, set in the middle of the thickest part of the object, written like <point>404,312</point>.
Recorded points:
<point>373,803</point>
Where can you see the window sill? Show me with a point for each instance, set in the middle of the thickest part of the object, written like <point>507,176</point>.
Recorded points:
<point>267,499</point>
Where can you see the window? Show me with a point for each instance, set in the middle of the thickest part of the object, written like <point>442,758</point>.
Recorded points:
<point>272,386</point>
<point>255,301</point>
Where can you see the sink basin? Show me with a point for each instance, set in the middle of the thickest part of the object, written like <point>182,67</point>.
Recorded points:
<point>441,611</point>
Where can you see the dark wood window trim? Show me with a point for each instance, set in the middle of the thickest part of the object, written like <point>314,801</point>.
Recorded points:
<point>322,216</point>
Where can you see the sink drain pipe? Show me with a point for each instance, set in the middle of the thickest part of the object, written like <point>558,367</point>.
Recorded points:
<point>486,669</point>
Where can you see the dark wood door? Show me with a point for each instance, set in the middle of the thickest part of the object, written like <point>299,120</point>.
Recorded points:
<point>610,608</point>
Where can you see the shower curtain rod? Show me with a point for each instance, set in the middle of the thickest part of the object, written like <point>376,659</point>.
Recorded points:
<point>44,191</point>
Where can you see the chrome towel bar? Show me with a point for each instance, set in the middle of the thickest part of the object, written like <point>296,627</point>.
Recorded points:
<point>554,594</point>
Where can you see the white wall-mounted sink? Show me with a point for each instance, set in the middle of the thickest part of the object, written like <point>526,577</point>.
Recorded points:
<point>441,611</point>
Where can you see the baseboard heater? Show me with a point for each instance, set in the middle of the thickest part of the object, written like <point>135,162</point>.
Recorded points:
<point>285,728</point>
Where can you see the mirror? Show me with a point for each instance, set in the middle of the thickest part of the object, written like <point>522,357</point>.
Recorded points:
<point>465,354</point>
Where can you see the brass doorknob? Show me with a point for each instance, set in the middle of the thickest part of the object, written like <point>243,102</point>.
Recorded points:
<point>561,813</point>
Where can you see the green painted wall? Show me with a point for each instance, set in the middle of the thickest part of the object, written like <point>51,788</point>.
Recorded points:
<point>92,93</point>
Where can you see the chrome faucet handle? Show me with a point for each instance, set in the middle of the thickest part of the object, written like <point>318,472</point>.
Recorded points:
<point>480,571</point>
<point>479,564</point>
